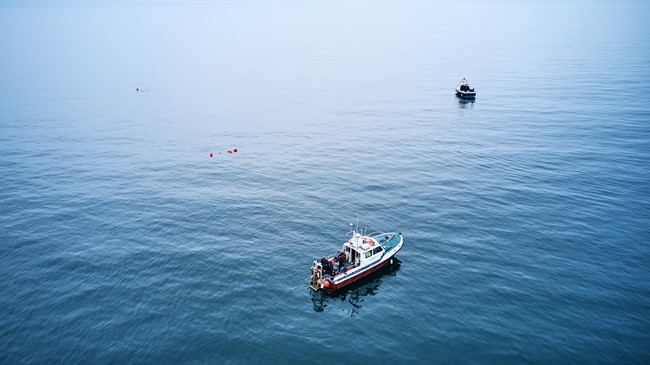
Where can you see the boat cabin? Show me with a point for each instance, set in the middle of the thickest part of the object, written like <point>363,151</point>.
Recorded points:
<point>362,250</point>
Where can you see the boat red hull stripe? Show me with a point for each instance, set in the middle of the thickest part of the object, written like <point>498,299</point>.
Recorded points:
<point>357,276</point>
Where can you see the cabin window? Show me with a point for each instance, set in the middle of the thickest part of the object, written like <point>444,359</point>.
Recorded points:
<point>377,250</point>
<point>368,254</point>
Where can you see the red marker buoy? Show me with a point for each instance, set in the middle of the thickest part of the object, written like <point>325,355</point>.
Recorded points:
<point>137,89</point>
<point>210,154</point>
<point>229,152</point>
<point>234,150</point>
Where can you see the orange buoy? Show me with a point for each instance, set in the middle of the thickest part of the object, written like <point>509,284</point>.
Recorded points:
<point>327,284</point>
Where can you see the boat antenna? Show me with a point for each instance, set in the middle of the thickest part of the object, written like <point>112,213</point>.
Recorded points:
<point>357,229</point>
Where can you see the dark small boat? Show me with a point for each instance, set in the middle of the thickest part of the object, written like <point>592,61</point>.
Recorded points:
<point>464,91</point>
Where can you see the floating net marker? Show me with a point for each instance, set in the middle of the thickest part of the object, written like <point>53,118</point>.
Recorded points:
<point>230,152</point>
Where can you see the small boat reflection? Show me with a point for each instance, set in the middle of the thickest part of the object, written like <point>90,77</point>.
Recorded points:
<point>466,102</point>
<point>355,293</point>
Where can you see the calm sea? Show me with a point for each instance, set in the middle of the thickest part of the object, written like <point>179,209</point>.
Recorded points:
<point>526,213</point>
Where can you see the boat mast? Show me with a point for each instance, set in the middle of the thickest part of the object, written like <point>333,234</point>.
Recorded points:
<point>357,229</point>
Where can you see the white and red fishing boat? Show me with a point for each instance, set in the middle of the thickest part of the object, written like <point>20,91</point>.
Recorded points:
<point>360,256</point>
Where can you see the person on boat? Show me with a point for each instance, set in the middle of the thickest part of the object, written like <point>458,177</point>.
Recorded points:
<point>341,259</point>
<point>327,268</point>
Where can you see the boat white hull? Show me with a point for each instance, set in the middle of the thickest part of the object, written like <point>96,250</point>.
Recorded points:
<point>466,94</point>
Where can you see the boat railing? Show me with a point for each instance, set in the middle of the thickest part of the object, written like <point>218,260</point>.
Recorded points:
<point>376,233</point>
<point>387,236</point>
<point>390,234</point>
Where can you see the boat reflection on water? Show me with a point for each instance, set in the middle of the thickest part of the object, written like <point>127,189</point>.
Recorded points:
<point>355,293</point>
<point>465,102</point>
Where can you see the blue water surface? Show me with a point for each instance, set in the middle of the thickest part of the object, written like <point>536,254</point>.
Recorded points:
<point>525,212</point>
